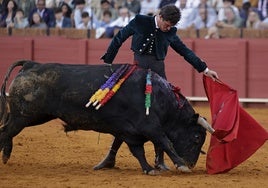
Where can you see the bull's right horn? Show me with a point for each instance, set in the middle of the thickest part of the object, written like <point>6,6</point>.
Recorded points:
<point>205,124</point>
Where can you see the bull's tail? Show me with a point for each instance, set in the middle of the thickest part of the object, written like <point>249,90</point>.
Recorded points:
<point>3,96</point>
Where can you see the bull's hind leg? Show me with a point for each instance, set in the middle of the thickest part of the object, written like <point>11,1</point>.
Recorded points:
<point>13,126</point>
<point>139,153</point>
<point>8,131</point>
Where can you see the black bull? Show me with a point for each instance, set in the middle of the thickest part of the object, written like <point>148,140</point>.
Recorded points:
<point>42,92</point>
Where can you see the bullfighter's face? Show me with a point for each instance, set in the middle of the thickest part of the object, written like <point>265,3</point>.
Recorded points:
<point>164,25</point>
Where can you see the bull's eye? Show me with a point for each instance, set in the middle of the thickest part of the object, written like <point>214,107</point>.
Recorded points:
<point>197,138</point>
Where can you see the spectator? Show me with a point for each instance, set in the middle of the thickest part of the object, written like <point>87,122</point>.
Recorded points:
<point>227,4</point>
<point>106,5</point>
<point>263,8</point>
<point>254,3</point>
<point>62,21</point>
<point>1,8</point>
<point>3,4</point>
<point>20,20</point>
<point>26,6</point>
<point>192,3</point>
<point>206,17</point>
<point>37,22</point>
<point>50,4</point>
<point>80,7</point>
<point>244,12</point>
<point>66,10</point>
<point>188,14</point>
<point>213,33</point>
<point>217,5</point>
<point>103,24</point>
<point>253,20</point>
<point>70,3</point>
<point>106,19</point>
<point>134,6</point>
<point>166,2</point>
<point>231,19</point>
<point>86,22</point>
<point>246,8</point>
<point>123,19</point>
<point>7,19</point>
<point>46,14</point>
<point>149,7</point>
<point>264,24</point>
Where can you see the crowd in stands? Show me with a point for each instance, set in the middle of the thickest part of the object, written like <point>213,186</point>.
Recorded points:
<point>107,15</point>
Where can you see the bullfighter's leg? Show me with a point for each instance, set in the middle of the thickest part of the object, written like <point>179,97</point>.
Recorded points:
<point>139,153</point>
<point>109,160</point>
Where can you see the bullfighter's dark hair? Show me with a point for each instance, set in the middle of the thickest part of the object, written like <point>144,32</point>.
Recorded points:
<point>170,13</point>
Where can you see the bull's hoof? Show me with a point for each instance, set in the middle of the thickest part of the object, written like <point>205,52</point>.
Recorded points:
<point>5,159</point>
<point>105,164</point>
<point>162,167</point>
<point>152,172</point>
<point>184,169</point>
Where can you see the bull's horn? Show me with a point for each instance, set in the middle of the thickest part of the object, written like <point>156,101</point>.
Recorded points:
<point>205,124</point>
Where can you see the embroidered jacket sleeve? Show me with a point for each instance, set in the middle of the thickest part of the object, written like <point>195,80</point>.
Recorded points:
<point>117,41</point>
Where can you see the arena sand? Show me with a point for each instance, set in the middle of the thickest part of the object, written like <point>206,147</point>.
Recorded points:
<point>44,156</point>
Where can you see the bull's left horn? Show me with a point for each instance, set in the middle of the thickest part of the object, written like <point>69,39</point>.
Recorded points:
<point>205,124</point>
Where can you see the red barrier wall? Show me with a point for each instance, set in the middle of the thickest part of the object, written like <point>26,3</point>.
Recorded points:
<point>228,58</point>
<point>257,73</point>
<point>240,63</point>
<point>50,49</point>
<point>180,72</point>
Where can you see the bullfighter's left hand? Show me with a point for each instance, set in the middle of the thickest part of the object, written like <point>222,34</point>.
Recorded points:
<point>210,73</point>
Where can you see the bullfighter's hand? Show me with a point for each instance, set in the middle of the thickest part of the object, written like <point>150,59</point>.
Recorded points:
<point>212,74</point>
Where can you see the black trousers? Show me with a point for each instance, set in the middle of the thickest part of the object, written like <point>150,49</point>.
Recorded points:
<point>150,62</point>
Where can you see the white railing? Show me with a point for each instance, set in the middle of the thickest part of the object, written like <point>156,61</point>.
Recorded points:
<point>244,100</point>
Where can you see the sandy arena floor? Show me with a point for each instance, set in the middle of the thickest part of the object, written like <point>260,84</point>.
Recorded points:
<point>44,156</point>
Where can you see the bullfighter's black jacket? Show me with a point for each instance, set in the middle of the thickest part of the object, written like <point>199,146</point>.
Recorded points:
<point>143,30</point>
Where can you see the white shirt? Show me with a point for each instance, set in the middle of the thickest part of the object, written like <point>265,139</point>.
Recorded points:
<point>187,15</point>
<point>221,14</point>
<point>149,6</point>
<point>189,3</point>
<point>120,22</point>
<point>88,26</point>
<point>59,23</point>
<point>41,12</point>
<point>78,15</point>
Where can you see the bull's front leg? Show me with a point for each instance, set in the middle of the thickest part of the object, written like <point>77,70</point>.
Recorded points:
<point>159,159</point>
<point>139,153</point>
<point>163,142</point>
